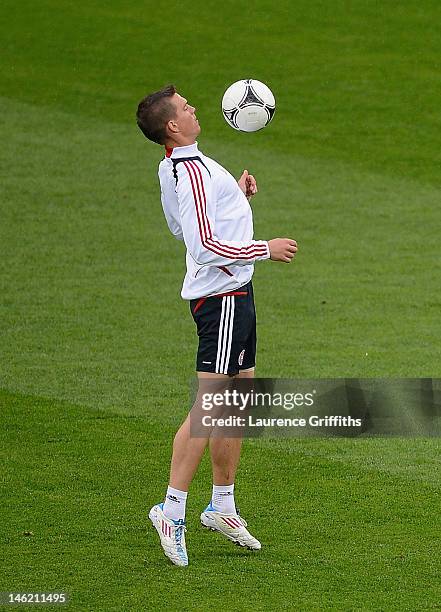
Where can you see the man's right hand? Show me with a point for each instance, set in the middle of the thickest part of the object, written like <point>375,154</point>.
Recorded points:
<point>282,249</point>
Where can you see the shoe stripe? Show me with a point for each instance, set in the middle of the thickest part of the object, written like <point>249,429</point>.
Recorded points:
<point>231,522</point>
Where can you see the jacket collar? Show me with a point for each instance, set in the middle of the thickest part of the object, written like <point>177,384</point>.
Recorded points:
<point>177,152</point>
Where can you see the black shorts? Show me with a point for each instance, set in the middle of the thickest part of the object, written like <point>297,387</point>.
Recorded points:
<point>226,326</point>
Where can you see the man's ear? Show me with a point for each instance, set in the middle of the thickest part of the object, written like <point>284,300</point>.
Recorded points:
<point>172,126</point>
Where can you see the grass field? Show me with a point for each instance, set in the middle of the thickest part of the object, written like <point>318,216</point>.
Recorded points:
<point>97,349</point>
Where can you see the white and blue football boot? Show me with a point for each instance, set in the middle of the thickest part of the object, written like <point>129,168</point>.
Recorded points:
<point>233,526</point>
<point>171,534</point>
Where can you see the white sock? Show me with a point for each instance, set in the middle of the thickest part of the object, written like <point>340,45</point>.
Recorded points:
<point>223,499</point>
<point>174,504</point>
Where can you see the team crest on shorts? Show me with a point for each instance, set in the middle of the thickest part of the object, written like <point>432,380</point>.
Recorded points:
<point>240,360</point>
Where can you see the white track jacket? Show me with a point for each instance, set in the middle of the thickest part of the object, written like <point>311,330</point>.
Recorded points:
<point>205,207</point>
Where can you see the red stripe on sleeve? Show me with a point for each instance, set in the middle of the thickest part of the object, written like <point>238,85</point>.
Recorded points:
<point>201,233</point>
<point>214,245</point>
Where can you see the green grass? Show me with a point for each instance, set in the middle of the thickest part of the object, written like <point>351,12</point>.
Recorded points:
<point>97,349</point>
<point>355,517</point>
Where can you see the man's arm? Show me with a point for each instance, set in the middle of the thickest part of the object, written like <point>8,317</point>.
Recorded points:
<point>168,200</point>
<point>173,224</point>
<point>197,212</point>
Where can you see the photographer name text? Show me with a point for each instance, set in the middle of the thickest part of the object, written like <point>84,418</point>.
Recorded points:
<point>250,421</point>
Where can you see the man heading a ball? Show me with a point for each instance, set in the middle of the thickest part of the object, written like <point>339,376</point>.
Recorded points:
<point>209,210</point>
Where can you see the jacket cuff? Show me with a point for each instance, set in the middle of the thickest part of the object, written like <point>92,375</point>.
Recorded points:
<point>267,254</point>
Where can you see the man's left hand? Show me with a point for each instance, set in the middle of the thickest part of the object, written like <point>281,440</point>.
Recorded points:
<point>248,184</point>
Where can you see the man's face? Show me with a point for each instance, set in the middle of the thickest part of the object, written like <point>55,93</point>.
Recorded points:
<point>187,124</point>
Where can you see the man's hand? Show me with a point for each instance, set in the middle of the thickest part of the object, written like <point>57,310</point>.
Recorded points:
<point>282,249</point>
<point>248,184</point>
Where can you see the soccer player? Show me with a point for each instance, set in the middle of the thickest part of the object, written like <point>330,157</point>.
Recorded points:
<point>209,210</point>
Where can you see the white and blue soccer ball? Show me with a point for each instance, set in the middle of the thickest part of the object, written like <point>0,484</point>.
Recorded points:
<point>248,105</point>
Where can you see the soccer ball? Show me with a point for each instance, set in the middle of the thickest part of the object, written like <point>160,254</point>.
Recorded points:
<point>248,105</point>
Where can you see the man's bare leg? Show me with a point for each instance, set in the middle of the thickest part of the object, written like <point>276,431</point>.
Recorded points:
<point>221,513</point>
<point>169,518</point>
<point>225,455</point>
<point>187,454</point>
<point>188,451</point>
